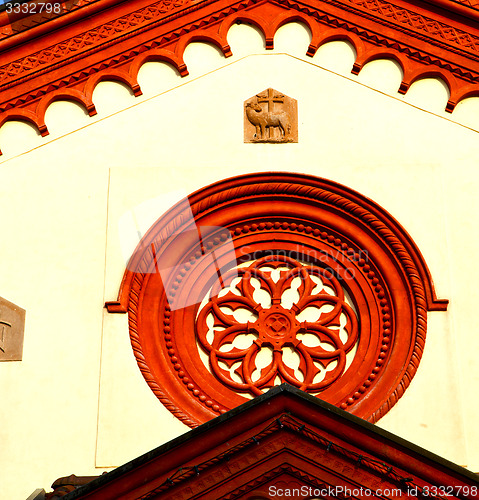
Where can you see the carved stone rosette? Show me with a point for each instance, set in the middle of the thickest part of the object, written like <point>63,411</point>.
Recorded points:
<point>275,326</point>
<point>323,289</point>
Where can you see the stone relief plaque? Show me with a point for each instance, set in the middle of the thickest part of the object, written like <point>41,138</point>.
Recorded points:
<point>271,117</point>
<point>12,324</point>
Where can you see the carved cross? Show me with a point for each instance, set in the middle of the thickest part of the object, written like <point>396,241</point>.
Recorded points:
<point>270,98</point>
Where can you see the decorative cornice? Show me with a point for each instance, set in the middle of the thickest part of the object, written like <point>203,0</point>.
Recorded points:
<point>411,19</point>
<point>84,42</point>
<point>116,38</point>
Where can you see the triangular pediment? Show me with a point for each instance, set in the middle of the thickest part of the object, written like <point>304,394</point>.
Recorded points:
<point>282,440</point>
<point>67,54</point>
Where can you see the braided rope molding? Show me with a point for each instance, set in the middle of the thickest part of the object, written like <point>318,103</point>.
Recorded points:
<point>201,204</point>
<point>368,463</point>
<point>268,431</point>
<point>273,428</point>
<point>274,473</point>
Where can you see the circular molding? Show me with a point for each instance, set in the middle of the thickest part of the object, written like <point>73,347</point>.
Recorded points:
<point>187,269</point>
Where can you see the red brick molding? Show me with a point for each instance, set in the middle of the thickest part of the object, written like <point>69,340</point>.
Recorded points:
<point>352,261</point>
<point>109,40</point>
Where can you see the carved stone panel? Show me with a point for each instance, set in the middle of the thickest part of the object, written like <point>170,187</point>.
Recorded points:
<point>272,117</point>
<point>12,323</point>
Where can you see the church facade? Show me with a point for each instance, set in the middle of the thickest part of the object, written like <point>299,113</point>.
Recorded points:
<point>203,200</point>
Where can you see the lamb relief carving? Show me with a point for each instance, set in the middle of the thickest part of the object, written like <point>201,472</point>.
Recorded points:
<point>270,116</point>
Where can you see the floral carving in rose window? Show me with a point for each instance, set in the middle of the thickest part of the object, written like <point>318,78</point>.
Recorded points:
<point>256,336</point>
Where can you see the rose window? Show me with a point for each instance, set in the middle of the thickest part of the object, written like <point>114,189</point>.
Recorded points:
<point>278,321</point>
<point>275,278</point>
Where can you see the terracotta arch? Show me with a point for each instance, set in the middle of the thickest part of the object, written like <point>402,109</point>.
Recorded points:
<point>26,116</point>
<point>71,95</point>
<point>309,22</point>
<point>67,52</point>
<point>203,36</point>
<point>375,56</point>
<point>158,55</point>
<point>111,75</point>
<point>341,35</point>
<point>459,95</point>
<point>243,17</point>
<point>413,76</point>
<point>72,56</point>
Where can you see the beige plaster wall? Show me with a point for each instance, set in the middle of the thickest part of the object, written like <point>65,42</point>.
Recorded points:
<point>77,402</point>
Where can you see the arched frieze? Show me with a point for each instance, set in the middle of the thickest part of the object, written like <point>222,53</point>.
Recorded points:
<point>112,45</point>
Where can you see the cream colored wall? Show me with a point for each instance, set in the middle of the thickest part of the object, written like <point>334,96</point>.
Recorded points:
<point>77,402</point>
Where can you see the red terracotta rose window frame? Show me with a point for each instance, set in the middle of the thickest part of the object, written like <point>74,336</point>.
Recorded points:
<point>334,240</point>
